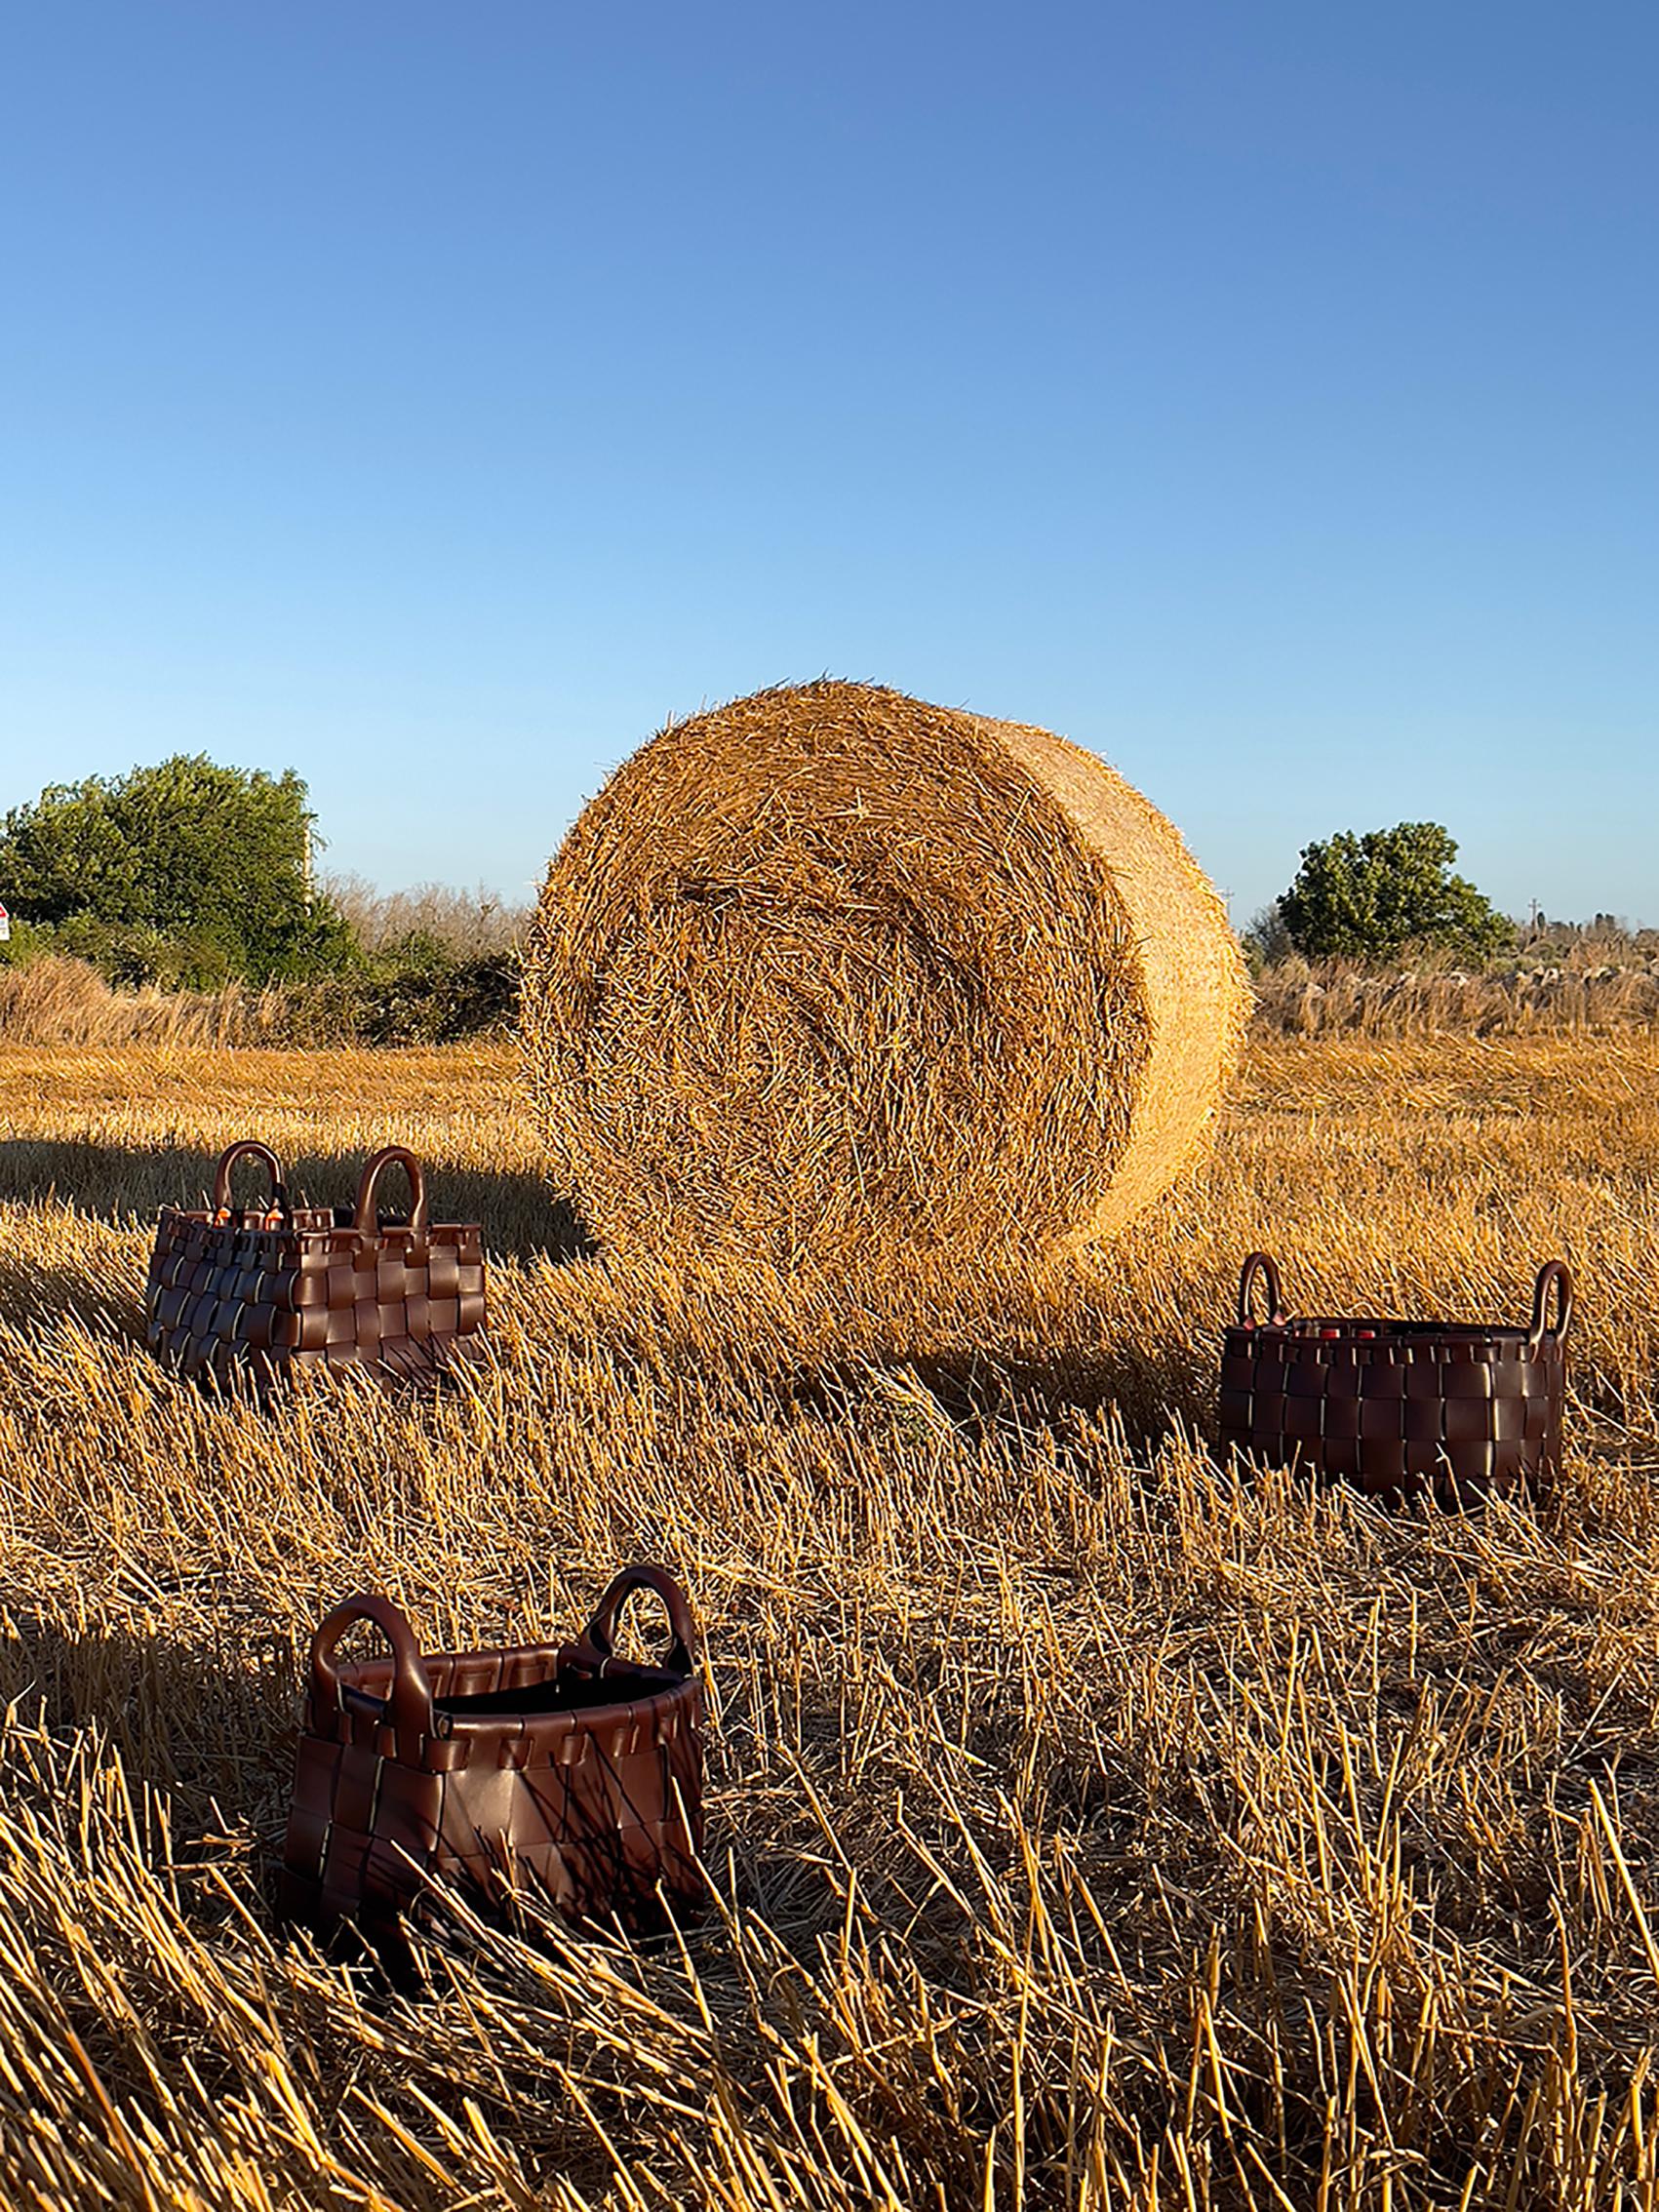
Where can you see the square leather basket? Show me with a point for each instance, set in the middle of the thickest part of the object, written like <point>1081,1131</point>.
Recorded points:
<point>253,1290</point>
<point>1405,1409</point>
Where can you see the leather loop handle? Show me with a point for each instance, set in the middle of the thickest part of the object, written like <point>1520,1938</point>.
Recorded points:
<point>1258,1263</point>
<point>600,1632</point>
<point>227,1158</point>
<point>1555,1275</point>
<point>409,1709</point>
<point>394,1156</point>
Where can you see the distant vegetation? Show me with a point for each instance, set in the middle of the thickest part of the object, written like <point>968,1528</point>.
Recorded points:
<point>1572,978</point>
<point>467,925</point>
<point>1372,898</point>
<point>178,899</point>
<point>185,875</point>
<point>1378,937</point>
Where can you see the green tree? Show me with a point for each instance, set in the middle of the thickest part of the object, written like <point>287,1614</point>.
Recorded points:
<point>1368,898</point>
<point>182,873</point>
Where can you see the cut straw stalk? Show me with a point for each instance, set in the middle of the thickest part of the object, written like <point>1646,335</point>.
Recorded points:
<point>832,976</point>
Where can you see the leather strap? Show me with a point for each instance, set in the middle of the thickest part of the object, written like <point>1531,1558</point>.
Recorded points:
<point>409,1709</point>
<point>600,1634</point>
<point>250,1147</point>
<point>1258,1263</point>
<point>1555,1275</point>
<point>365,1220</point>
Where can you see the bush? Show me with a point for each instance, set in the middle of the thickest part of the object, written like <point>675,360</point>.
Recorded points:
<point>425,997</point>
<point>134,956</point>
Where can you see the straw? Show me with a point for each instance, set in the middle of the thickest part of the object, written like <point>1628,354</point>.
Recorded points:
<point>833,977</point>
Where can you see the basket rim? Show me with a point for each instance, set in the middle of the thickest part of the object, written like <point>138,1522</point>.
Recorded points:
<point>372,1679</point>
<point>305,1231</point>
<point>1387,1329</point>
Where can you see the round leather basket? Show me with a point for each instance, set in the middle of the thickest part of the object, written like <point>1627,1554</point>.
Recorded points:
<point>1402,1409</point>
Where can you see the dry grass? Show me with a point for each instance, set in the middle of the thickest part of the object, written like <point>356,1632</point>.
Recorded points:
<point>60,1001</point>
<point>836,979</point>
<point>1084,1832</point>
<point>1592,989</point>
<point>66,1001</point>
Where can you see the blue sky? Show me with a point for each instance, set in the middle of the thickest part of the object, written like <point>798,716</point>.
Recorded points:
<point>434,398</point>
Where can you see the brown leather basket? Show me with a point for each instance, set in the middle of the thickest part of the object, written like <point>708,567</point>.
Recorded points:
<point>257,1290</point>
<point>557,1768</point>
<point>1399,1408</point>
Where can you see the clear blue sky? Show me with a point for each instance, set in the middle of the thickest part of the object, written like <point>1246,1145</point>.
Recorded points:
<point>435,397</point>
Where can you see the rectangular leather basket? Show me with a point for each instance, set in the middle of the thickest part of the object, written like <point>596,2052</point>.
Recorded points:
<point>257,1290</point>
<point>1399,1408</point>
<point>557,1768</point>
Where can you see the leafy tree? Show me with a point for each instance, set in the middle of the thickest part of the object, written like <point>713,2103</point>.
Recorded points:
<point>1368,898</point>
<point>182,873</point>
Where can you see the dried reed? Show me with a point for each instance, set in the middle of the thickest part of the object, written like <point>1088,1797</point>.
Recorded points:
<point>1585,993</point>
<point>55,1000</point>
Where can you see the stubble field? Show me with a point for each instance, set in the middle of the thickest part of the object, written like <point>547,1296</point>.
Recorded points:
<point>1085,1831</point>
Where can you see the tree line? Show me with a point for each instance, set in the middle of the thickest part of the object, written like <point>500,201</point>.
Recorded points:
<point>188,875</point>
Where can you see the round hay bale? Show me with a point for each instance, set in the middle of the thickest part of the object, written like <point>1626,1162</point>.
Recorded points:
<point>831,976</point>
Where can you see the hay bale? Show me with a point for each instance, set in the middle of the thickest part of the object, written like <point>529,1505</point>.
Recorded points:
<point>833,976</point>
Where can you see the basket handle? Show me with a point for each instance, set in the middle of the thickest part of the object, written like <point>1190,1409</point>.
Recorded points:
<point>1258,1263</point>
<point>365,1220</point>
<point>1555,1275</point>
<point>267,1158</point>
<point>600,1632</point>
<point>409,1709</point>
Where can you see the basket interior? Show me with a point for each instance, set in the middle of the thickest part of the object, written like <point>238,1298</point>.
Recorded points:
<point>567,1692</point>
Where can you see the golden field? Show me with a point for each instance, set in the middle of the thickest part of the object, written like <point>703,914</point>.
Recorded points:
<point>1085,1831</point>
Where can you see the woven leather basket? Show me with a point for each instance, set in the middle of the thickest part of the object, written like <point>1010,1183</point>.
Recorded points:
<point>1399,1408</point>
<point>556,1768</point>
<point>255,1289</point>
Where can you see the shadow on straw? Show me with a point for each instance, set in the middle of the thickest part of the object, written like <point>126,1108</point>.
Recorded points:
<point>521,1218</point>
